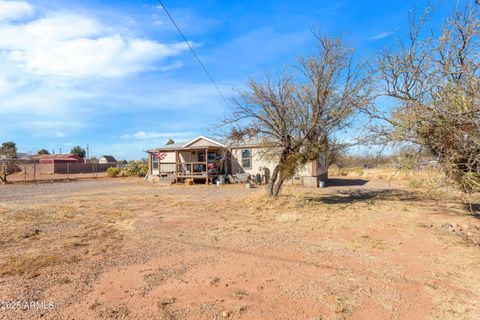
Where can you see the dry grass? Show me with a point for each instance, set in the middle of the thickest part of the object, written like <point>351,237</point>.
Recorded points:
<point>37,236</point>
<point>374,241</point>
<point>26,264</point>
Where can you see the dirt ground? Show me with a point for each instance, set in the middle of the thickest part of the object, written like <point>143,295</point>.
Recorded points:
<point>21,177</point>
<point>126,249</point>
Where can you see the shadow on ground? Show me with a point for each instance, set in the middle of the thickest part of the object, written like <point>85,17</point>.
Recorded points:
<point>345,182</point>
<point>474,209</point>
<point>352,196</point>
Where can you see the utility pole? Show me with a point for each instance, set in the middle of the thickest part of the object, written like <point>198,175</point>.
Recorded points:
<point>88,151</point>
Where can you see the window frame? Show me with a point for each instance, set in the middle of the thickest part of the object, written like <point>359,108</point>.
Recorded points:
<point>246,158</point>
<point>155,160</point>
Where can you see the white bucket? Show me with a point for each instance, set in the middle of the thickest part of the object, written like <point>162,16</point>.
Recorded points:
<point>321,184</point>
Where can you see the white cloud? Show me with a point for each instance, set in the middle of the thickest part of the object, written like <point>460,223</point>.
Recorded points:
<point>15,10</point>
<point>172,66</point>
<point>66,75</point>
<point>142,135</point>
<point>382,35</point>
<point>75,46</point>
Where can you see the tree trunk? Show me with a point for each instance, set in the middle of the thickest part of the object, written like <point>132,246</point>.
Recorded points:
<point>278,186</point>
<point>273,179</point>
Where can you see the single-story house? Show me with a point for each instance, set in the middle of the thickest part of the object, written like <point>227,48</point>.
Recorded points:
<point>107,159</point>
<point>57,163</point>
<point>206,159</point>
<point>66,164</point>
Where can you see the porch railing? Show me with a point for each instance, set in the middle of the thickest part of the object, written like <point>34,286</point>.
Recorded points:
<point>184,168</point>
<point>167,167</point>
<point>191,168</point>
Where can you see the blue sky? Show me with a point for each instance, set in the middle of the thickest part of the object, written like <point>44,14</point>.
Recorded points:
<point>116,75</point>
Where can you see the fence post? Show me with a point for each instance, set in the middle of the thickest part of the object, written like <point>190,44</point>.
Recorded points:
<point>25,169</point>
<point>34,169</point>
<point>68,171</point>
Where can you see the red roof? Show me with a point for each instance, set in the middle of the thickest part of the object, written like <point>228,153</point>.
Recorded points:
<point>58,157</point>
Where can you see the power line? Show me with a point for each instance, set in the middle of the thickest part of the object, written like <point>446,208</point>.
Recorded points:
<point>193,51</point>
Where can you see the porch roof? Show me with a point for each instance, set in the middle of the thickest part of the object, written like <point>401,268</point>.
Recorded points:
<point>208,143</point>
<point>202,148</point>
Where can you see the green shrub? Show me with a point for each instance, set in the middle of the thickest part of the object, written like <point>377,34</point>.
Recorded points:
<point>137,169</point>
<point>113,172</point>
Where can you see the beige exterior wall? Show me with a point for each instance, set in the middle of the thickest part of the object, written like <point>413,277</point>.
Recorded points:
<point>258,162</point>
<point>170,158</point>
<point>309,175</point>
<point>200,143</point>
<point>187,156</point>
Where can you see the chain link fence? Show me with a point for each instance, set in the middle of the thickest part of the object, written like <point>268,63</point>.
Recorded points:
<point>32,170</point>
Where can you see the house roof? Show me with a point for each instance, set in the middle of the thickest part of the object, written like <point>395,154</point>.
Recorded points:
<point>110,158</point>
<point>214,142</point>
<point>67,156</point>
<point>188,145</point>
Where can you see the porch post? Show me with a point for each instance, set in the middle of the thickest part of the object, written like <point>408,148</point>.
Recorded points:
<point>150,163</point>
<point>176,165</point>
<point>206,164</point>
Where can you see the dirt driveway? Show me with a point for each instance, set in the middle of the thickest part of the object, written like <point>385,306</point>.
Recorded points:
<point>125,249</point>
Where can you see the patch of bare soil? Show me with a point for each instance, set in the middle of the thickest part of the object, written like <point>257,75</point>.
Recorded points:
<point>125,249</point>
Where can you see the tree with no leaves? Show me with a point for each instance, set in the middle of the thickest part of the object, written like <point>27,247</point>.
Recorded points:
<point>296,114</point>
<point>436,81</point>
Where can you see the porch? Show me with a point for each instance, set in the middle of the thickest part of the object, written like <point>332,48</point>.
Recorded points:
<point>198,164</point>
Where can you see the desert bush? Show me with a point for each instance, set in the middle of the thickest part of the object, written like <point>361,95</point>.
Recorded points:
<point>7,168</point>
<point>416,183</point>
<point>358,171</point>
<point>113,172</point>
<point>434,80</point>
<point>137,169</point>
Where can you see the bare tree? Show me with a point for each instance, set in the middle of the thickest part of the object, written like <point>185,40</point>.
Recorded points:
<point>297,113</point>
<point>8,167</point>
<point>436,81</point>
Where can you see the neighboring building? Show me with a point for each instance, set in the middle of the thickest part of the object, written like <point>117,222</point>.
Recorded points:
<point>206,159</point>
<point>57,163</point>
<point>107,159</point>
<point>66,164</point>
<point>58,158</point>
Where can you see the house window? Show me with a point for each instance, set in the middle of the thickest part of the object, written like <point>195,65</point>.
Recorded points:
<point>154,162</point>
<point>247,159</point>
